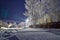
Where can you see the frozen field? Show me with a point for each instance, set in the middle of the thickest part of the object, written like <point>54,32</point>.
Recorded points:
<point>30,34</point>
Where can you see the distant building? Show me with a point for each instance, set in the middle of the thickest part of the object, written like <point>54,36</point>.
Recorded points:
<point>3,24</point>
<point>0,23</point>
<point>22,24</point>
<point>12,25</point>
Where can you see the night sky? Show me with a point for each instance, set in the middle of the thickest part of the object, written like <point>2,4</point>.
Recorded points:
<point>12,10</point>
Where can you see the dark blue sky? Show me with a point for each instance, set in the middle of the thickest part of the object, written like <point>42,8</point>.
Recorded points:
<point>12,10</point>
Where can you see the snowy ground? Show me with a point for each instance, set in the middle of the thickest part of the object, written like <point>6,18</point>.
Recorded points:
<point>30,34</point>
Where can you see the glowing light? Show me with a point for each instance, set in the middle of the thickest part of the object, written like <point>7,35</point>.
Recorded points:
<point>9,25</point>
<point>27,20</point>
<point>11,28</point>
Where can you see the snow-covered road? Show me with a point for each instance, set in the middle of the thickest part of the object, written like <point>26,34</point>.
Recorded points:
<point>30,34</point>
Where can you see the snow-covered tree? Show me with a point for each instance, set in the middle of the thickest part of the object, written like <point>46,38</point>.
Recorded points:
<point>38,9</point>
<point>32,11</point>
